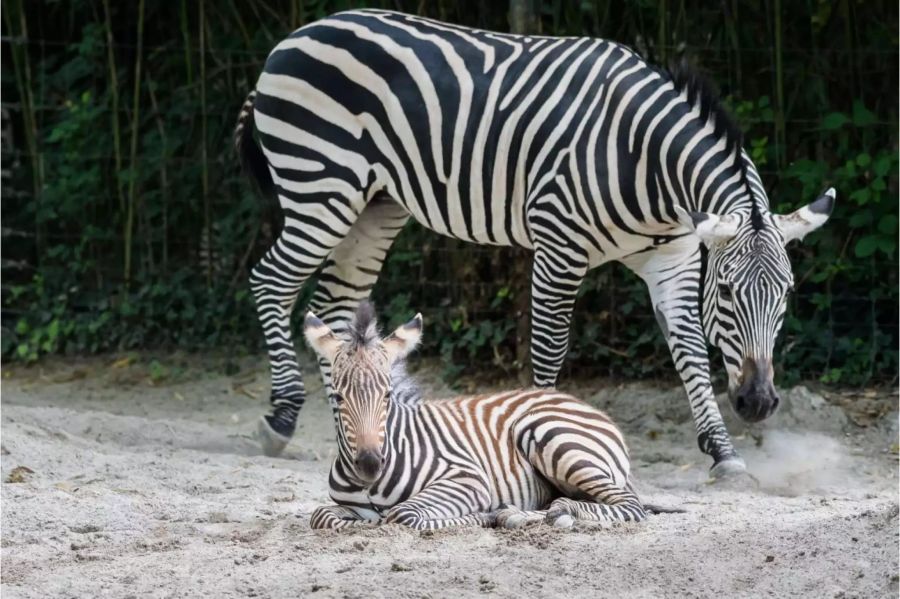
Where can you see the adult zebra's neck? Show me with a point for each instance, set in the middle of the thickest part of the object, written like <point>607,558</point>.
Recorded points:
<point>714,182</point>
<point>702,166</point>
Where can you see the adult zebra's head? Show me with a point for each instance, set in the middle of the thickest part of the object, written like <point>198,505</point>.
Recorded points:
<point>361,382</point>
<point>748,280</point>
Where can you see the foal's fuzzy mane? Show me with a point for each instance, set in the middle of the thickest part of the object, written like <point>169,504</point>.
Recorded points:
<point>405,388</point>
<point>363,332</point>
<point>363,326</point>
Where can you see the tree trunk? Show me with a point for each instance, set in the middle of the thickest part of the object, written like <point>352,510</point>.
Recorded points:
<point>522,20</point>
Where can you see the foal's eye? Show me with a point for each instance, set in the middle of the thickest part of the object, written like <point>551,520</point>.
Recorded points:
<point>725,291</point>
<point>338,398</point>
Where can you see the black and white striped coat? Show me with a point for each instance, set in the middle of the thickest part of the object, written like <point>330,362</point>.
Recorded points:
<point>574,148</point>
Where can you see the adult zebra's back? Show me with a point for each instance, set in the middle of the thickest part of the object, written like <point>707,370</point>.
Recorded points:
<point>575,148</point>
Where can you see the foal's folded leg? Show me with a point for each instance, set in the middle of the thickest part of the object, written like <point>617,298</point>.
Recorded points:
<point>511,517</point>
<point>611,504</point>
<point>338,516</point>
<point>461,499</point>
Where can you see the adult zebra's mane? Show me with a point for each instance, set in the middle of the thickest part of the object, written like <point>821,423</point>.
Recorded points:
<point>702,93</point>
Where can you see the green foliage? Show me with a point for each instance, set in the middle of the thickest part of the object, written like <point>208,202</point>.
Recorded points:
<point>822,114</point>
<point>70,320</point>
<point>846,321</point>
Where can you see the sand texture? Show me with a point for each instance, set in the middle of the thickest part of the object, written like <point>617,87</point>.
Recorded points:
<point>137,478</point>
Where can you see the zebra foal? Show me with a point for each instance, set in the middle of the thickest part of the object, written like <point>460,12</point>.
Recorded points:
<point>461,462</point>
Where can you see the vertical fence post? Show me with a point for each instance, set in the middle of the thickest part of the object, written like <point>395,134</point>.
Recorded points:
<point>22,68</point>
<point>779,92</point>
<point>207,224</point>
<point>135,122</point>
<point>661,32</point>
<point>114,93</point>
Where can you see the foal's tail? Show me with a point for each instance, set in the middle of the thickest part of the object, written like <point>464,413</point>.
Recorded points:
<point>652,508</point>
<point>658,509</point>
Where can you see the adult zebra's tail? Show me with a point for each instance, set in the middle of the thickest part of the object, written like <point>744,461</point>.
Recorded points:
<point>253,161</point>
<point>255,166</point>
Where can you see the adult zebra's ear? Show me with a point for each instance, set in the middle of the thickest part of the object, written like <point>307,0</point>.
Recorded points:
<point>710,228</point>
<point>804,221</point>
<point>320,337</point>
<point>405,339</point>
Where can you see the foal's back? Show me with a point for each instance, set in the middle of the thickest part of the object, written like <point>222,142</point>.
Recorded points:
<point>533,445</point>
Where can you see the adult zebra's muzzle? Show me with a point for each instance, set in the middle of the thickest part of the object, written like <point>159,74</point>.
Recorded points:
<point>755,399</point>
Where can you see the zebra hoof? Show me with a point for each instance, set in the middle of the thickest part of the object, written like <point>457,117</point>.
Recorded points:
<point>510,518</point>
<point>272,442</point>
<point>732,474</point>
<point>564,521</point>
<point>727,468</point>
<point>559,517</point>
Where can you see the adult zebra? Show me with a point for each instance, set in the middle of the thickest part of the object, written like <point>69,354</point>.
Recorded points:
<point>575,148</point>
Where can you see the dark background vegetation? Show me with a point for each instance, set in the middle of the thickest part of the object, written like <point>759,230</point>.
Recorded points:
<point>126,223</point>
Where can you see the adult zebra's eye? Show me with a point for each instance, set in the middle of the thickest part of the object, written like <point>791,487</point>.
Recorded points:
<point>725,291</point>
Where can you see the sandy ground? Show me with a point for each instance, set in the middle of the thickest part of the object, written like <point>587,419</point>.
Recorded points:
<point>144,481</point>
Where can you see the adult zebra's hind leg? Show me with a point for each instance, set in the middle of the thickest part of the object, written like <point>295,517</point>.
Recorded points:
<point>512,517</point>
<point>305,241</point>
<point>352,269</point>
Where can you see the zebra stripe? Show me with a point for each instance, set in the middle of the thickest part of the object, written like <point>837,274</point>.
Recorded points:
<point>574,148</point>
<point>509,458</point>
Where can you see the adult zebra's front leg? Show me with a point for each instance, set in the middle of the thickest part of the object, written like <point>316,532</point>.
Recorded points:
<point>672,273</point>
<point>556,275</point>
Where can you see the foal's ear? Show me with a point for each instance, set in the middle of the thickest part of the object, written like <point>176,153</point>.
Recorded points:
<point>405,339</point>
<point>320,337</point>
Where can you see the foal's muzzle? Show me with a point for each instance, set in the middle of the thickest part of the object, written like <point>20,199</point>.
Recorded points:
<point>368,464</point>
<point>755,399</point>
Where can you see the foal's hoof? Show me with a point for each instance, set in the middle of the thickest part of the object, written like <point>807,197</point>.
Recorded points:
<point>559,517</point>
<point>272,442</point>
<point>510,518</point>
<point>562,521</point>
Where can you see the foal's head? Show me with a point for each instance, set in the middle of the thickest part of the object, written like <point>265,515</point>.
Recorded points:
<point>361,381</point>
